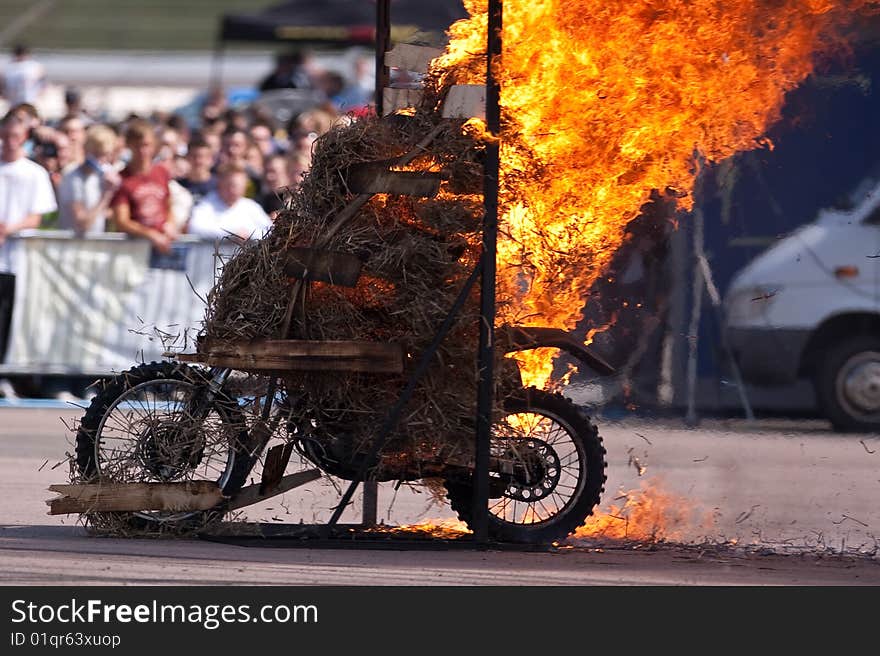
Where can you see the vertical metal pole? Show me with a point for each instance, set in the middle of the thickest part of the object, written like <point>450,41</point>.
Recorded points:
<point>383,37</point>
<point>487,282</point>
<point>691,418</point>
<point>371,503</point>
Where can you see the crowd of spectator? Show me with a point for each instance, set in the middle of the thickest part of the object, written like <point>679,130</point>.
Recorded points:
<point>157,176</point>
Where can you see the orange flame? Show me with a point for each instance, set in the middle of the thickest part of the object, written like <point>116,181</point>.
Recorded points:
<point>449,529</point>
<point>604,101</point>
<point>648,515</point>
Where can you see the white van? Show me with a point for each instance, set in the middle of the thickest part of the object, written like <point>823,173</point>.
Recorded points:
<point>809,307</point>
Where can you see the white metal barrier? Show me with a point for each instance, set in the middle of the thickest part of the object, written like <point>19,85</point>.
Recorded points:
<point>98,305</point>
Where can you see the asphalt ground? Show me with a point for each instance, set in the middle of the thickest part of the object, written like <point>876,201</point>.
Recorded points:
<point>725,503</point>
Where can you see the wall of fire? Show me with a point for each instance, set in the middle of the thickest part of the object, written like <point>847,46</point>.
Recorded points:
<point>827,143</point>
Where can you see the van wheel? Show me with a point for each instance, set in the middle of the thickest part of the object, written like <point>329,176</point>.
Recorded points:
<point>848,384</point>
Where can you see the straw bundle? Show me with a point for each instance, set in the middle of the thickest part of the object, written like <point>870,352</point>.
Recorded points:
<point>416,254</point>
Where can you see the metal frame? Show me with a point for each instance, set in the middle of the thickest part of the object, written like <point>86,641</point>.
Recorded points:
<point>485,270</point>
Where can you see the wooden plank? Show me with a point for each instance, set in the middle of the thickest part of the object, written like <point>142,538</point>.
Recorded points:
<point>300,355</point>
<point>465,101</point>
<point>303,348</point>
<point>251,364</point>
<point>275,464</point>
<point>251,494</point>
<point>396,99</point>
<point>318,265</point>
<point>411,57</point>
<point>130,497</point>
<point>375,178</point>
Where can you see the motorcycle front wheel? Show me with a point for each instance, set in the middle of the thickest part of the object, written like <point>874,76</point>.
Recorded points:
<point>548,473</point>
<point>156,424</point>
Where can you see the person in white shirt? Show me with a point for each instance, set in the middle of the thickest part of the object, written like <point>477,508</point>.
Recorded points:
<point>26,194</point>
<point>25,188</point>
<point>226,212</point>
<point>24,79</point>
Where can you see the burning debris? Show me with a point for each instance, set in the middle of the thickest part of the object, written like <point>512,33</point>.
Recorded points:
<point>448,529</point>
<point>646,514</point>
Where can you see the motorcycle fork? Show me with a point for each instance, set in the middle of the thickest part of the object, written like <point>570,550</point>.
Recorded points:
<point>199,405</point>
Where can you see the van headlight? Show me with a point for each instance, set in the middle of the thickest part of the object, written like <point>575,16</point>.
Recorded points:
<point>749,303</point>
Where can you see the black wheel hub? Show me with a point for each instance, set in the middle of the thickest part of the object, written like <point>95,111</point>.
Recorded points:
<point>535,472</point>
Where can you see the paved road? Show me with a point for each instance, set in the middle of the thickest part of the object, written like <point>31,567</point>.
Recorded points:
<point>724,504</point>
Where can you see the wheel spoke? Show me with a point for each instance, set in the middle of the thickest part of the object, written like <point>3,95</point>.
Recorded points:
<point>547,514</point>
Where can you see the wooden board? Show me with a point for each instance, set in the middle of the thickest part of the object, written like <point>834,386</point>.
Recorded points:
<point>131,497</point>
<point>375,178</point>
<point>274,465</point>
<point>251,494</point>
<point>411,58</point>
<point>314,264</point>
<point>300,355</point>
<point>396,99</point>
<point>465,101</point>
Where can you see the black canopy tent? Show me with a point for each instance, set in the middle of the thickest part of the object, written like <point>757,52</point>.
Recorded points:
<point>340,23</point>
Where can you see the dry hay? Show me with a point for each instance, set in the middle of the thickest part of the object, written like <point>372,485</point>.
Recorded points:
<point>135,525</point>
<point>416,254</point>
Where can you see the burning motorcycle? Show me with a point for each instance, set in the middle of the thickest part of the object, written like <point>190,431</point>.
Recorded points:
<point>173,422</point>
